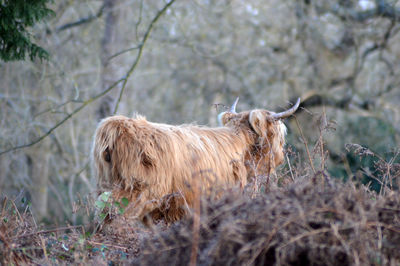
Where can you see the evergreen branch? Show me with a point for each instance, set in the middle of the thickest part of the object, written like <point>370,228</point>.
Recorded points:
<point>15,39</point>
<point>139,55</point>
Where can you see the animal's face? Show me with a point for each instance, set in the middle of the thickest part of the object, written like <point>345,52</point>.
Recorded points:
<point>103,166</point>
<point>265,135</point>
<point>107,137</point>
<point>123,149</point>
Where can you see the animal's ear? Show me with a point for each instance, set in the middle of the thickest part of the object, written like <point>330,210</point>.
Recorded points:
<point>258,121</point>
<point>224,118</point>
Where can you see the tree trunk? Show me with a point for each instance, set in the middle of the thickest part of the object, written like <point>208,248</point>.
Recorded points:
<point>108,71</point>
<point>38,162</point>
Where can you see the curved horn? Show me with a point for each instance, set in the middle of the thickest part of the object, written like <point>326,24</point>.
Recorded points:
<point>233,107</point>
<point>288,112</point>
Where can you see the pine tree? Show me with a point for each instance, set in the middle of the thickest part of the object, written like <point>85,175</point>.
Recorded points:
<point>15,17</point>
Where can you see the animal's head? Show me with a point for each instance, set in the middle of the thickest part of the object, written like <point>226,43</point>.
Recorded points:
<point>264,132</point>
<point>115,152</point>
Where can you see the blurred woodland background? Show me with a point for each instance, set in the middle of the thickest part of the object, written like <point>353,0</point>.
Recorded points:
<point>173,61</point>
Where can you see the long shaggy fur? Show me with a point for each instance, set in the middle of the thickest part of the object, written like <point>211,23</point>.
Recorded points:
<point>163,167</point>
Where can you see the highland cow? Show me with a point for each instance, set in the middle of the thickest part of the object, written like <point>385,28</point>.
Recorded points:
<point>163,167</point>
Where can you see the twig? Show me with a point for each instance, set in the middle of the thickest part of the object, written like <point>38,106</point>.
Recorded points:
<point>322,127</point>
<point>3,211</point>
<point>52,109</point>
<point>290,167</point>
<point>77,110</point>
<point>196,222</point>
<point>16,210</point>
<point>108,245</point>
<point>82,20</point>
<point>139,55</point>
<point>139,20</point>
<point>123,51</point>
<point>307,234</point>
<point>387,226</point>
<point>43,243</point>
<point>49,231</point>
<point>305,143</point>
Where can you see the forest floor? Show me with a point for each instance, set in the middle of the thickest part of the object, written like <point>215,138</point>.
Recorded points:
<point>313,220</point>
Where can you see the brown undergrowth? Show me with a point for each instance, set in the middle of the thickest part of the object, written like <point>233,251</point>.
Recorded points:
<point>22,241</point>
<point>314,220</point>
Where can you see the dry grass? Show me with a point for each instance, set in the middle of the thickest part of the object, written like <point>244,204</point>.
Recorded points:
<point>23,242</point>
<point>309,222</point>
<point>312,221</point>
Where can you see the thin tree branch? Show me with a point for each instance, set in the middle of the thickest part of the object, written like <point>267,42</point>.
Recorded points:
<point>139,20</point>
<point>104,92</point>
<point>124,51</point>
<point>77,110</point>
<point>82,20</point>
<point>139,55</point>
<point>53,109</point>
<point>50,231</point>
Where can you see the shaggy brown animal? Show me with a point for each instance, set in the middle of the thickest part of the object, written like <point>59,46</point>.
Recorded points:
<point>161,168</point>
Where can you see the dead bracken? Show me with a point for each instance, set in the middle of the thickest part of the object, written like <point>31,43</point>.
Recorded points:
<point>312,221</point>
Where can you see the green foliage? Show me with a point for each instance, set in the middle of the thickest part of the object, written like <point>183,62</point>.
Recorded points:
<point>103,202</point>
<point>121,205</point>
<point>15,17</point>
<point>124,202</point>
<point>105,196</point>
<point>100,204</point>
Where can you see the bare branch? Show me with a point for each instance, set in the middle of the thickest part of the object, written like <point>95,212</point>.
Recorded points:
<point>123,51</point>
<point>139,20</point>
<point>82,20</point>
<point>53,109</point>
<point>139,55</point>
<point>104,92</point>
<point>77,110</point>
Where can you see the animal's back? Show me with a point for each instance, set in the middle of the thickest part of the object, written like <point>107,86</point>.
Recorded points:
<point>169,159</point>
